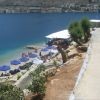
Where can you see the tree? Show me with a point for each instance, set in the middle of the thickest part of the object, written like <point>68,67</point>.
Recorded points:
<point>76,32</point>
<point>40,68</point>
<point>85,24</point>
<point>38,82</point>
<point>10,92</point>
<point>37,72</point>
<point>38,86</point>
<point>63,54</point>
<point>55,64</point>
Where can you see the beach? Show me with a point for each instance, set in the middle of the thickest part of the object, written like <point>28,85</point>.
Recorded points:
<point>60,86</point>
<point>19,30</point>
<point>17,53</point>
<point>36,53</point>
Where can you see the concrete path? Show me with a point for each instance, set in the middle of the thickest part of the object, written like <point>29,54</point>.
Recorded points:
<point>89,86</point>
<point>25,80</point>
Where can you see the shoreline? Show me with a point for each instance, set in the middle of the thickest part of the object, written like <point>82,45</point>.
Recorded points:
<point>46,9</point>
<point>16,53</point>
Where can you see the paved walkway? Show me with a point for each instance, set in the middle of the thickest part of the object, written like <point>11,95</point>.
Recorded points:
<point>89,86</point>
<point>25,80</point>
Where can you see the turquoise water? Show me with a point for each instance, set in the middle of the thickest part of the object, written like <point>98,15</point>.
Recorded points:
<point>19,30</point>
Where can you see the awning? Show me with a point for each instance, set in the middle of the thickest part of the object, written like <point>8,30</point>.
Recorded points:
<point>64,34</point>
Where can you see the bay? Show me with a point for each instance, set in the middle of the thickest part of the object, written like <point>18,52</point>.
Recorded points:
<point>19,30</point>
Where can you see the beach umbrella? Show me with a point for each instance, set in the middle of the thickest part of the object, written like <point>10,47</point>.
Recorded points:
<point>4,68</point>
<point>32,55</point>
<point>37,61</point>
<point>54,51</point>
<point>24,55</point>
<point>48,48</point>
<point>51,47</point>
<point>24,59</point>
<point>15,62</point>
<point>44,49</point>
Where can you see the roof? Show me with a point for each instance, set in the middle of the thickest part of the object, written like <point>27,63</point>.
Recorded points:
<point>94,20</point>
<point>64,34</point>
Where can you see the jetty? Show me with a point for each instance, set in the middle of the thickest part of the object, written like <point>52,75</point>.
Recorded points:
<point>34,47</point>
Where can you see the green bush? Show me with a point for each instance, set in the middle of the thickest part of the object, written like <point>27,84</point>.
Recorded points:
<point>18,77</point>
<point>80,31</point>
<point>55,64</point>
<point>38,70</point>
<point>85,24</point>
<point>10,92</point>
<point>26,66</point>
<point>38,86</point>
<point>38,81</point>
<point>76,32</point>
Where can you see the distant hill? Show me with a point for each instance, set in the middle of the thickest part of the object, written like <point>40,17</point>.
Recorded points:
<point>26,6</point>
<point>40,2</point>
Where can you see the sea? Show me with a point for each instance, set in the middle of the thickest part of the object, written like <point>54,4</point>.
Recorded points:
<point>21,29</point>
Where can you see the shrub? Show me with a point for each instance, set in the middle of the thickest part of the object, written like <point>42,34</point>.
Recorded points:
<point>55,64</point>
<point>38,70</point>
<point>18,77</point>
<point>14,71</point>
<point>38,82</point>
<point>76,32</point>
<point>85,24</point>
<point>38,86</point>
<point>80,31</point>
<point>10,92</point>
<point>26,66</point>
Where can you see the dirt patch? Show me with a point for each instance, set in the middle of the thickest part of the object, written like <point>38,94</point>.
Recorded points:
<point>60,85</point>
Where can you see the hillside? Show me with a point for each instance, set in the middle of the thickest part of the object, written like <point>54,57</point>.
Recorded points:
<point>27,6</point>
<point>39,2</point>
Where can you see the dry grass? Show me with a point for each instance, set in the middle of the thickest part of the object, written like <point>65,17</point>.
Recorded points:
<point>60,85</point>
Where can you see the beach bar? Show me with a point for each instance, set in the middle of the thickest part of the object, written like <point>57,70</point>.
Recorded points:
<point>64,34</point>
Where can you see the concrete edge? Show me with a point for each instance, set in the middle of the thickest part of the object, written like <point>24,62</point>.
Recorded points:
<point>83,69</point>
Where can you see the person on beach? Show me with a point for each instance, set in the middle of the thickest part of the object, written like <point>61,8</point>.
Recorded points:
<point>40,54</point>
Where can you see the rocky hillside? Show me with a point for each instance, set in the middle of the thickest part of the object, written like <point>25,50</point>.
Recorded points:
<point>39,2</point>
<point>27,6</point>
